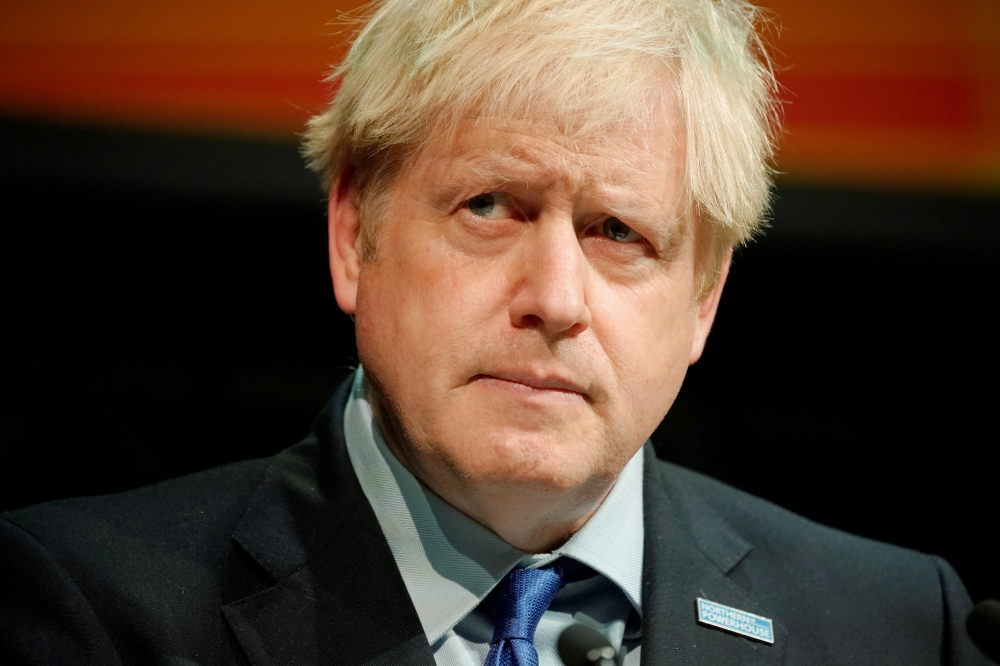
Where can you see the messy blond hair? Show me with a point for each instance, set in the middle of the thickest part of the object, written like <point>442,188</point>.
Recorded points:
<point>418,66</point>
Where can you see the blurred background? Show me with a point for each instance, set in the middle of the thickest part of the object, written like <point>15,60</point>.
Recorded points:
<point>167,305</point>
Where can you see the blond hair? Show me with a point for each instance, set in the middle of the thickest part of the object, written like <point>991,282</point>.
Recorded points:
<point>417,66</point>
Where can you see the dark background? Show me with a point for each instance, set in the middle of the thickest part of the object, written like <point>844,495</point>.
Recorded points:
<point>167,308</point>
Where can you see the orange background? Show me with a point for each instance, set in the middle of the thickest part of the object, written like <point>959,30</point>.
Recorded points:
<point>878,92</point>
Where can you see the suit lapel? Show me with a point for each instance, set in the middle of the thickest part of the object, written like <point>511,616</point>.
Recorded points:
<point>689,553</point>
<point>338,597</point>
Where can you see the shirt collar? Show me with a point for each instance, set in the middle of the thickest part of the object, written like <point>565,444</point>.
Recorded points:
<point>449,562</point>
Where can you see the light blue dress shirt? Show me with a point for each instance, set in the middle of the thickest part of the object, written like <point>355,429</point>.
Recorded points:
<point>450,563</point>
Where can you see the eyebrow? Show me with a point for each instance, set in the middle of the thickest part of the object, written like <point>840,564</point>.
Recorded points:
<point>489,173</point>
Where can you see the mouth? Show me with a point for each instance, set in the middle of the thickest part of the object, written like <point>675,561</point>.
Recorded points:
<point>533,386</point>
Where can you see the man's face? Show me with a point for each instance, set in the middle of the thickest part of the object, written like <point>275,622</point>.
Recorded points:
<point>530,315</point>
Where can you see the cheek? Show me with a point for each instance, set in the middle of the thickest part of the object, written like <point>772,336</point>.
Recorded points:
<point>424,307</point>
<point>647,335</point>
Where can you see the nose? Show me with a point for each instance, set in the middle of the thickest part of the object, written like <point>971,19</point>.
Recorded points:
<point>551,280</point>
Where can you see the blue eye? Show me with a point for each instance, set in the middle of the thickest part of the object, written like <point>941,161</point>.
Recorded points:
<point>483,205</point>
<point>493,205</point>
<point>617,230</point>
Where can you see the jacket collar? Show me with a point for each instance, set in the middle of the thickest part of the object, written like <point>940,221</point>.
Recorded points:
<point>337,595</point>
<point>690,552</point>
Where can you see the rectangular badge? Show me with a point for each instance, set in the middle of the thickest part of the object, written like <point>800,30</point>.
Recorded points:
<point>735,620</point>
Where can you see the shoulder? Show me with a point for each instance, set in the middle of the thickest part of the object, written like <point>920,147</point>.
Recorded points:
<point>124,574</point>
<point>144,575</point>
<point>798,547</point>
<point>777,533</point>
<point>837,594</point>
<point>187,512</point>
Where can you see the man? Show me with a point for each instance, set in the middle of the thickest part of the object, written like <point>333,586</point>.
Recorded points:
<point>532,208</point>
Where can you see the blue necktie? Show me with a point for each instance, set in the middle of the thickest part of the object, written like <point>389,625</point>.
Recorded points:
<point>518,603</point>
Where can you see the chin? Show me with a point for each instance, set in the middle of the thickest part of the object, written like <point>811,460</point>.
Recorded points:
<point>532,460</point>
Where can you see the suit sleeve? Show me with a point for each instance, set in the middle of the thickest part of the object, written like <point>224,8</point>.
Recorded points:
<point>957,649</point>
<point>44,618</point>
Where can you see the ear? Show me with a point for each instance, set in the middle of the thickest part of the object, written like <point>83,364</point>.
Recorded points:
<point>344,240</point>
<point>707,310</point>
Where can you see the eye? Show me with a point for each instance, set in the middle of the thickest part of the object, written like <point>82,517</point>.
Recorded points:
<point>490,205</point>
<point>617,230</point>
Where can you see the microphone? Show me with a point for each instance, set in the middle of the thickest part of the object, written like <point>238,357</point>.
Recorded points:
<point>580,645</point>
<point>983,625</point>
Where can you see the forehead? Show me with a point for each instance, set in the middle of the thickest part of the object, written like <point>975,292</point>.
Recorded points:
<point>638,160</point>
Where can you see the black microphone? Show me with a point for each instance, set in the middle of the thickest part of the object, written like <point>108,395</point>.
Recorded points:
<point>580,645</point>
<point>983,625</point>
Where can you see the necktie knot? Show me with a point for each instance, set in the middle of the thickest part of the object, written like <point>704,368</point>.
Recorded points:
<point>511,628</point>
<point>518,603</point>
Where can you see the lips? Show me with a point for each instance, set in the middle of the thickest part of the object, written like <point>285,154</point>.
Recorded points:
<point>538,382</point>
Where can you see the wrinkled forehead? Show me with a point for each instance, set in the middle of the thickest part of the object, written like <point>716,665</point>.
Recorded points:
<point>536,149</point>
<point>635,174</point>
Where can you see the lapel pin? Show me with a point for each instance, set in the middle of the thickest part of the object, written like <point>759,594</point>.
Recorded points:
<point>735,620</point>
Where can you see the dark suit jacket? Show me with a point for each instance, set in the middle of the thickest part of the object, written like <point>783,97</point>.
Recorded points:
<point>281,561</point>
